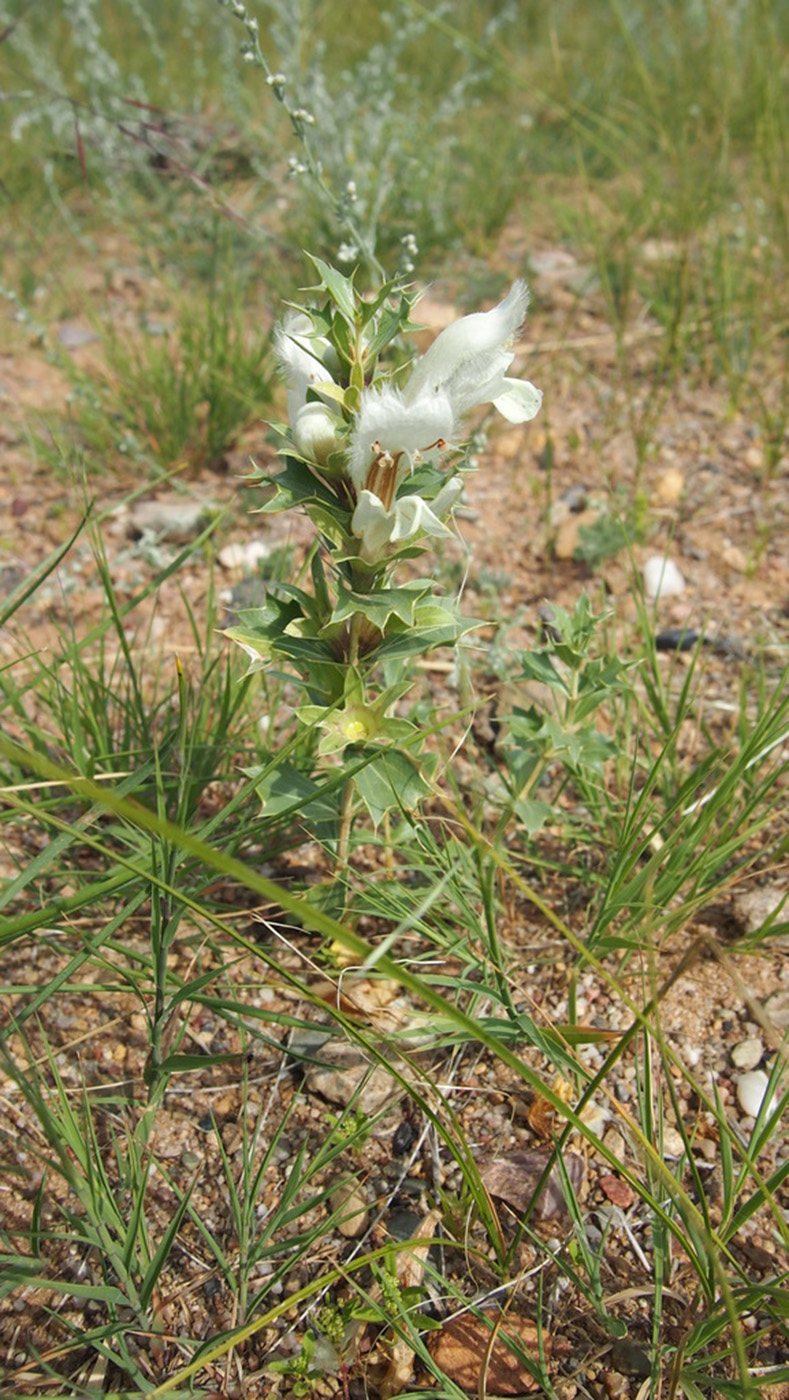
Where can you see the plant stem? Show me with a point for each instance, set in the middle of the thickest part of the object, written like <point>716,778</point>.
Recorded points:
<point>346,806</point>
<point>344,835</point>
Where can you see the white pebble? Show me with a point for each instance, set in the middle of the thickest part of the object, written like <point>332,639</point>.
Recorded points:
<point>662,578</point>
<point>243,556</point>
<point>748,1053</point>
<point>673,1144</point>
<point>751,1091</point>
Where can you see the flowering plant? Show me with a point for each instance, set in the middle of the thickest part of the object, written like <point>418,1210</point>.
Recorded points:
<point>375,459</point>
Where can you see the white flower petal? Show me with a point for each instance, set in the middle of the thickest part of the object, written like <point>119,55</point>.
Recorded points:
<point>304,359</point>
<point>376,527</point>
<point>478,379</point>
<point>385,422</point>
<point>480,337</point>
<point>372,524</point>
<point>519,402</point>
<point>413,516</point>
<point>443,503</point>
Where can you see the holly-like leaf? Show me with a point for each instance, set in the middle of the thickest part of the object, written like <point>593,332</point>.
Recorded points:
<point>533,813</point>
<point>393,321</point>
<point>391,782</point>
<point>537,666</point>
<point>382,604</point>
<point>285,792</point>
<point>295,485</point>
<point>261,628</point>
<point>434,626</point>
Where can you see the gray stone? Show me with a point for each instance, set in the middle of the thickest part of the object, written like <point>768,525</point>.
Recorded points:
<point>756,906</point>
<point>243,558</point>
<point>345,1074</point>
<point>73,336</point>
<point>176,518</point>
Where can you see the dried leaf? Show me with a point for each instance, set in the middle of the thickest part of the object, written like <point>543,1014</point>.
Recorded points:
<point>374,1000</point>
<point>472,1353</point>
<point>542,1114</point>
<point>514,1179</point>
<point>542,1117</point>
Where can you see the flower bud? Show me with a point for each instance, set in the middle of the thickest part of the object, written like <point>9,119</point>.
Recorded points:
<point>315,432</point>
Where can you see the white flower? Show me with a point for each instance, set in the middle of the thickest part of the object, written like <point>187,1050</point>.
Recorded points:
<point>391,436</point>
<point>306,360</point>
<point>468,360</point>
<point>376,526</point>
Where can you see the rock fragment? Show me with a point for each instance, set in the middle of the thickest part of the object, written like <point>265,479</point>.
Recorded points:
<point>243,558</point>
<point>515,1178</point>
<point>747,1054</point>
<point>345,1074</point>
<point>662,578</point>
<point>348,1201</point>
<point>751,1093</point>
<point>168,519</point>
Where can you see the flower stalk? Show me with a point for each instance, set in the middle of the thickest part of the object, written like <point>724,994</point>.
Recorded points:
<point>375,459</point>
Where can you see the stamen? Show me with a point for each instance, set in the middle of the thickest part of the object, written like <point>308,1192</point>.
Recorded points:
<point>382,478</point>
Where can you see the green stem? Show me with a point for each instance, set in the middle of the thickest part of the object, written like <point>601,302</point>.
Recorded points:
<point>344,835</point>
<point>346,806</point>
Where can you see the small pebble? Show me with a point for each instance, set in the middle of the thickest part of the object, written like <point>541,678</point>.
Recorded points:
<point>243,557</point>
<point>349,1202</point>
<point>669,486</point>
<point>575,498</point>
<point>748,1053</point>
<point>169,519</point>
<point>615,1144</point>
<point>754,457</point>
<point>404,1138</point>
<point>568,537</point>
<point>401,1224</point>
<point>734,558</point>
<point>73,336</point>
<point>777,1008</point>
<point>630,1358</point>
<point>662,578</point>
<point>751,1090</point>
<point>676,639</point>
<point>673,1145</point>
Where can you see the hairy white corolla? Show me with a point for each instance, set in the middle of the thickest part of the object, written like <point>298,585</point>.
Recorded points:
<point>377,525</point>
<point>306,360</point>
<point>390,437</point>
<point>467,363</point>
